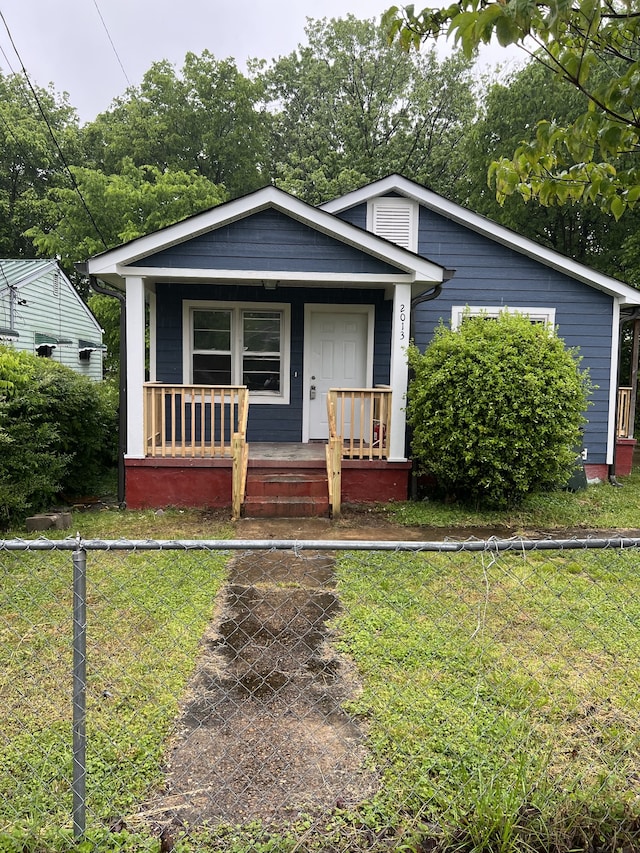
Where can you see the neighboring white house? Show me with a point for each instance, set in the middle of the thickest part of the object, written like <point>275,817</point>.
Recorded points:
<point>41,312</point>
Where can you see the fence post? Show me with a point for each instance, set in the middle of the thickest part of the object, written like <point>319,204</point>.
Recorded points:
<point>78,784</point>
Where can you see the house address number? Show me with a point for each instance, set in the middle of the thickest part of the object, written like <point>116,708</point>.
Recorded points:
<point>403,317</point>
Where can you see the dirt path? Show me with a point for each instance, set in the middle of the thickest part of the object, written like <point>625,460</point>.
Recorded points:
<point>263,734</point>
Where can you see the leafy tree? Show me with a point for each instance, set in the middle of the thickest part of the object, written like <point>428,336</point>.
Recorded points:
<point>351,108</point>
<point>496,408</point>
<point>29,162</point>
<point>510,111</point>
<point>137,201</point>
<point>208,120</point>
<point>594,45</point>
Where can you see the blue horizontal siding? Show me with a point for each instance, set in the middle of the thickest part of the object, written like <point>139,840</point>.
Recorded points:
<point>488,273</point>
<point>266,422</point>
<point>267,241</point>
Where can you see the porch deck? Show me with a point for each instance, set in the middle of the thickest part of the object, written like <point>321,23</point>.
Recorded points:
<point>287,451</point>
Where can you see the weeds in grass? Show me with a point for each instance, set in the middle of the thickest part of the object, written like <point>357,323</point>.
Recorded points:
<point>599,507</point>
<point>146,616</point>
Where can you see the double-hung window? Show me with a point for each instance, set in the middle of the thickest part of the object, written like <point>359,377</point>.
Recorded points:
<point>239,345</point>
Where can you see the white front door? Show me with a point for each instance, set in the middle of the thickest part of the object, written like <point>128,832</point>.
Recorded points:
<point>337,349</point>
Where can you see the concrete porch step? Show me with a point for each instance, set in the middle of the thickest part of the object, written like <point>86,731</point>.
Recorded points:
<point>287,484</point>
<point>285,507</point>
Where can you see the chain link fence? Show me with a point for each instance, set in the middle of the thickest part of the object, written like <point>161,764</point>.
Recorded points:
<point>331,696</point>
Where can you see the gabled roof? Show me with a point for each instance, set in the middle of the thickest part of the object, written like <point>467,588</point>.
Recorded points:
<point>487,228</point>
<point>20,273</point>
<point>111,265</point>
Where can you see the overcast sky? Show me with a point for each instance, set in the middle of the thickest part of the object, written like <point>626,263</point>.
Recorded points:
<point>66,42</point>
<point>93,49</point>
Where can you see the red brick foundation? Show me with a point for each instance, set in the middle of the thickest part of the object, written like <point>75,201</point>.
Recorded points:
<point>157,483</point>
<point>624,456</point>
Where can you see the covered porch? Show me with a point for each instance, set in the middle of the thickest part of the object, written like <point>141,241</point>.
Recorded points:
<point>196,454</point>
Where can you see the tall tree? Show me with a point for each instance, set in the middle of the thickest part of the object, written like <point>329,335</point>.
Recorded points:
<point>117,208</point>
<point>30,162</point>
<point>349,108</point>
<point>209,119</point>
<point>594,45</point>
<point>511,108</point>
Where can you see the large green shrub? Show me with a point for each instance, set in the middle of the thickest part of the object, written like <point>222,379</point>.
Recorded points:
<point>58,433</point>
<point>496,407</point>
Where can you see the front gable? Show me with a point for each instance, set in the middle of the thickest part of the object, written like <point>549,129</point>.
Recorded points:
<point>471,231</point>
<point>268,233</point>
<point>271,241</point>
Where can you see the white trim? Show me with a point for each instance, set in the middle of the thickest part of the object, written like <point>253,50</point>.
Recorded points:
<point>613,382</point>
<point>135,366</point>
<point>153,347</point>
<point>280,277</point>
<point>111,263</point>
<point>283,398</point>
<point>399,371</point>
<point>489,229</point>
<point>543,315</point>
<point>323,308</point>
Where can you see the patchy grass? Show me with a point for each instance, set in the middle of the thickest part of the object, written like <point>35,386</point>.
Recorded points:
<point>501,693</point>
<point>146,614</point>
<point>599,507</point>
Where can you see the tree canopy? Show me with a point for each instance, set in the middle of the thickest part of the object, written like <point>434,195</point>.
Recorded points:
<point>512,107</point>
<point>349,108</point>
<point>30,163</point>
<point>594,45</point>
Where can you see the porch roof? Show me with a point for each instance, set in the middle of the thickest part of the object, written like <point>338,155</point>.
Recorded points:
<point>128,259</point>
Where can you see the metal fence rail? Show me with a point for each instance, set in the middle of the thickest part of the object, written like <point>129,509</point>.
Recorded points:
<point>320,695</point>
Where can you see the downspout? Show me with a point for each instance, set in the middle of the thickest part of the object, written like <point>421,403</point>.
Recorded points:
<point>122,379</point>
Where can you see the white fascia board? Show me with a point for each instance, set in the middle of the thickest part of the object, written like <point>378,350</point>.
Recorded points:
<point>487,228</point>
<point>253,276</point>
<point>112,262</point>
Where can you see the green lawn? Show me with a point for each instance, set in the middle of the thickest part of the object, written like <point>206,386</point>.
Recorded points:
<point>146,614</point>
<point>599,507</point>
<point>499,694</point>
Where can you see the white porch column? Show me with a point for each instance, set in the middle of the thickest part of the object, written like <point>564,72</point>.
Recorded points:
<point>399,372</point>
<point>135,365</point>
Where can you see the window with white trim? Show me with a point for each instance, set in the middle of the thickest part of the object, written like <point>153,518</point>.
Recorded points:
<point>240,345</point>
<point>535,315</point>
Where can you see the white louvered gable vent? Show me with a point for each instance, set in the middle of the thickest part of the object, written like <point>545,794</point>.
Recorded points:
<point>395,219</point>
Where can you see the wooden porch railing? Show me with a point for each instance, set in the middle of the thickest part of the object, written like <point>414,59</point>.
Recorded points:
<point>205,421</point>
<point>361,418</point>
<point>359,428</point>
<point>623,418</point>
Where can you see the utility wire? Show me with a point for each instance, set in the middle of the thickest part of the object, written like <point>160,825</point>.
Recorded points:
<point>113,47</point>
<point>53,136</point>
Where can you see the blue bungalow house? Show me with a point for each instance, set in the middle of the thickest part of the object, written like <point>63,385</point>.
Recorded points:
<point>277,332</point>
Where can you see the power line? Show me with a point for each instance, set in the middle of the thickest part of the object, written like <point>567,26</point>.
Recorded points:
<point>113,47</point>
<point>53,136</point>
